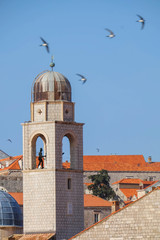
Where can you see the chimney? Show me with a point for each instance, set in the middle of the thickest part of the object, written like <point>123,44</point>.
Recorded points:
<point>149,159</point>
<point>115,206</point>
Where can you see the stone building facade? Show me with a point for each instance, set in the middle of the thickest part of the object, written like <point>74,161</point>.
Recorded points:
<point>138,220</point>
<point>52,196</point>
<point>95,209</point>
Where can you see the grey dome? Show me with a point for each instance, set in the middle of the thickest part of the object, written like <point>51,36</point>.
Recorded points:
<point>51,86</point>
<point>10,212</point>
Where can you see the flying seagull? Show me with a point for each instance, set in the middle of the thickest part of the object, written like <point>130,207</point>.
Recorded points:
<point>9,140</point>
<point>83,79</point>
<point>45,44</point>
<point>111,35</point>
<point>141,20</point>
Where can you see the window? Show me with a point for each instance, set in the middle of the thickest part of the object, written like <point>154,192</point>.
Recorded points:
<point>69,183</point>
<point>96,217</point>
<point>151,178</point>
<point>69,208</point>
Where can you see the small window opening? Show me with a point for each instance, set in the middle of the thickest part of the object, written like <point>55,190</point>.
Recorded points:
<point>69,208</point>
<point>96,217</point>
<point>69,183</point>
<point>150,178</point>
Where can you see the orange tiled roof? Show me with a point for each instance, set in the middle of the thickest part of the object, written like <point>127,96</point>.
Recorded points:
<point>87,184</point>
<point>66,165</point>
<point>18,196</point>
<point>133,181</point>
<point>89,200</point>
<point>119,163</point>
<point>94,201</point>
<point>151,184</point>
<point>129,192</point>
<point>12,163</point>
<point>111,163</point>
<point>10,158</point>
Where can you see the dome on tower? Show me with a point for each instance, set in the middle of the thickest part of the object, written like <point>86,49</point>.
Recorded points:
<point>52,86</point>
<point>10,212</point>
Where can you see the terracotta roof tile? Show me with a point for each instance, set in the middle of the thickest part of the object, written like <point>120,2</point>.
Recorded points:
<point>66,165</point>
<point>18,196</point>
<point>12,163</point>
<point>87,184</point>
<point>94,201</point>
<point>11,158</point>
<point>111,163</point>
<point>89,200</point>
<point>129,192</point>
<point>133,181</point>
<point>119,163</point>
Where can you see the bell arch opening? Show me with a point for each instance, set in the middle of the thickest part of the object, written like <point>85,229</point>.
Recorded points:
<point>65,151</point>
<point>69,152</point>
<point>38,152</point>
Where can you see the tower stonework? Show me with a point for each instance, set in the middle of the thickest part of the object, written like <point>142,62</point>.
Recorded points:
<point>53,196</point>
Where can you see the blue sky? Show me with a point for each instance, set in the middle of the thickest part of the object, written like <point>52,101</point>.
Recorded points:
<point>119,103</point>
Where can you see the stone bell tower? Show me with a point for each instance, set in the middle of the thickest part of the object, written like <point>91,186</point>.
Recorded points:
<point>53,196</point>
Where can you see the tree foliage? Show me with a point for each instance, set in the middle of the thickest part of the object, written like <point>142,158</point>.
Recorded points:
<point>100,185</point>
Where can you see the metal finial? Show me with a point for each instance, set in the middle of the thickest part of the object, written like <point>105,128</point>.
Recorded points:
<point>52,64</point>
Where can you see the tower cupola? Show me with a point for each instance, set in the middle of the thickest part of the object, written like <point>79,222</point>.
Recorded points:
<point>51,86</point>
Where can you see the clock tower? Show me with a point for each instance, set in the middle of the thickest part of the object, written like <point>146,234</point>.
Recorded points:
<point>52,196</point>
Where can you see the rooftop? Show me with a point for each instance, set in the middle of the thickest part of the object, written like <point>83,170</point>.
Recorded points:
<point>94,201</point>
<point>115,163</point>
<point>10,212</point>
<point>133,181</point>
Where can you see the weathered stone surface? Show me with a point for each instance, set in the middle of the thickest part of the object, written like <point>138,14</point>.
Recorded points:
<point>139,220</point>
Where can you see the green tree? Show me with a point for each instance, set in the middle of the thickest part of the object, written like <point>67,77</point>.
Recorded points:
<point>100,185</point>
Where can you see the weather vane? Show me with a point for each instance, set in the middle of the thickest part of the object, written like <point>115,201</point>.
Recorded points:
<point>52,64</point>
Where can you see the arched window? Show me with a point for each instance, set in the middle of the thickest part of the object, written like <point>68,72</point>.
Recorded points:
<point>39,145</point>
<point>69,152</point>
<point>65,151</point>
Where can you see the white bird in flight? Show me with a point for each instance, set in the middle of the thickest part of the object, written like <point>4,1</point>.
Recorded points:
<point>111,35</point>
<point>141,20</point>
<point>83,79</point>
<point>45,44</point>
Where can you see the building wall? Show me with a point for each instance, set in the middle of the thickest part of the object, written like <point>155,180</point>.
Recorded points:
<point>89,213</point>
<point>69,223</point>
<point>46,198</point>
<point>116,176</point>
<point>139,220</point>
<point>39,201</point>
<point>12,184</point>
